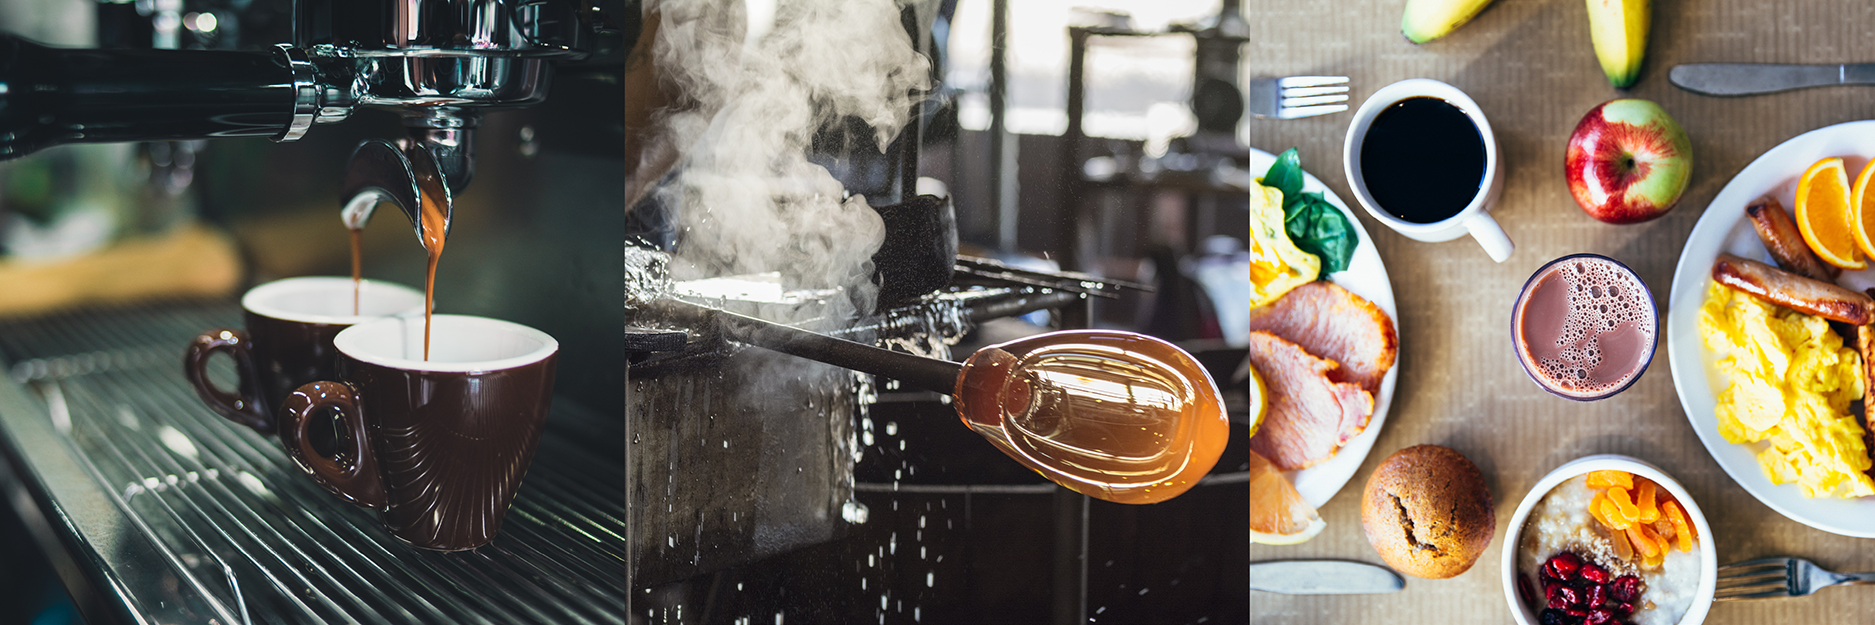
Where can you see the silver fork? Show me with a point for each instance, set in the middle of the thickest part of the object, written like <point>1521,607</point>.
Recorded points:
<point>1297,96</point>
<point>1769,578</point>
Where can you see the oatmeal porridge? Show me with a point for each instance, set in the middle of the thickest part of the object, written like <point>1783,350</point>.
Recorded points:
<point>1574,567</point>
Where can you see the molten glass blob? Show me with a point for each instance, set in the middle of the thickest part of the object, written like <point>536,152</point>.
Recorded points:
<point>1112,415</point>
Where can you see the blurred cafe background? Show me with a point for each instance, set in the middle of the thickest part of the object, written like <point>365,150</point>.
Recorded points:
<point>1049,164</point>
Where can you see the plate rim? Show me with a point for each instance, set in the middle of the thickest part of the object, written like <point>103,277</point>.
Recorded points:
<point>1314,482</point>
<point>1688,355</point>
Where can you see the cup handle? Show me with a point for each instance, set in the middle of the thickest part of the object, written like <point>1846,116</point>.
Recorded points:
<point>353,473</point>
<point>244,406</point>
<point>1491,236</point>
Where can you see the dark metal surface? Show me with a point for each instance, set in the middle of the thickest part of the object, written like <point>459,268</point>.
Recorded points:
<point>57,96</point>
<point>173,514</point>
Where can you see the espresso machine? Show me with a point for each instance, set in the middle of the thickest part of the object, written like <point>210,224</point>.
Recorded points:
<point>150,511</point>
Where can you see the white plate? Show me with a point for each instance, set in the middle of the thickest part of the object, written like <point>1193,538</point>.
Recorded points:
<point>1723,229</point>
<point>1366,277</point>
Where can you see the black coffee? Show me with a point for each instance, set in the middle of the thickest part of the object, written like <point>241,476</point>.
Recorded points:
<point>1423,160</point>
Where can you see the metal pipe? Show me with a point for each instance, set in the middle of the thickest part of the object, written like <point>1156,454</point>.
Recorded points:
<point>926,373</point>
<point>1002,148</point>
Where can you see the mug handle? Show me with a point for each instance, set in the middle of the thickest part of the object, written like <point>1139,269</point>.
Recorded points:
<point>353,473</point>
<point>1491,236</point>
<point>244,406</point>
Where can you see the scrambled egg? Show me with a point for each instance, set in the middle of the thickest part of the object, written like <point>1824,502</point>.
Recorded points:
<point>1276,264</point>
<point>1791,382</point>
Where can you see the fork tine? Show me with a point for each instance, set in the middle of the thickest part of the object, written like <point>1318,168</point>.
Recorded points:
<point>1756,569</point>
<point>1310,111</point>
<point>1311,81</point>
<point>1298,92</point>
<point>1313,100</point>
<point>1780,561</point>
<point>1769,594</point>
<point>1753,580</point>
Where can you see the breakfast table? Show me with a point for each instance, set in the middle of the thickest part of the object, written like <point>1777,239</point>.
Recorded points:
<point>1530,67</point>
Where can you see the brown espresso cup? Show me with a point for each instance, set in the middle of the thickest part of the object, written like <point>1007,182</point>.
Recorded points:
<point>442,441</point>
<point>288,341</point>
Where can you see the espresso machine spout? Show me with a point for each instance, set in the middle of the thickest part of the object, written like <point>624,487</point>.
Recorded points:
<point>404,173</point>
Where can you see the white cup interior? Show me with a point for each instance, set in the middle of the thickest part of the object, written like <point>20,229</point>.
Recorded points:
<point>328,299</point>
<point>1388,96</point>
<point>459,343</point>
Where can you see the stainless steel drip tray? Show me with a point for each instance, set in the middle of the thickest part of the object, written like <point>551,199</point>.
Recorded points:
<point>155,509</point>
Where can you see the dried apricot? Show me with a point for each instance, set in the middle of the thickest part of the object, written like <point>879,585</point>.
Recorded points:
<point>1605,479</point>
<point>1643,541</point>
<point>1686,532</point>
<point>1622,502</point>
<point>1610,514</point>
<point>1644,501</point>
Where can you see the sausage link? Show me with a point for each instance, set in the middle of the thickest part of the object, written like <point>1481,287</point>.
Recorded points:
<point>1780,235</point>
<point>1794,291</point>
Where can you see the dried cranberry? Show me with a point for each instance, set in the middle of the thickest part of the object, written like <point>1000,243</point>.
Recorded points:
<point>1525,590</point>
<point>1599,616</point>
<point>1596,596</point>
<point>1577,613</point>
<point>1624,608</point>
<point>1553,597</point>
<point>1564,565</point>
<point>1594,573</point>
<point>1571,595</point>
<point>1625,589</point>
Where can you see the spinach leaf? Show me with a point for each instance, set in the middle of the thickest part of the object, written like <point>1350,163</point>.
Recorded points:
<point>1318,228</point>
<point>1285,175</point>
<point>1314,225</point>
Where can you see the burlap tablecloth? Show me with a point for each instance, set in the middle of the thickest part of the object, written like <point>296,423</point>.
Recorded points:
<point>1530,66</point>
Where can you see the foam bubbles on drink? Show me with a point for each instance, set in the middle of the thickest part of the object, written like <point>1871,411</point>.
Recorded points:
<point>1605,312</point>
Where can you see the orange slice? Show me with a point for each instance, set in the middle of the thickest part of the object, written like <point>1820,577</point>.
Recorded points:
<point>1278,515</point>
<point>1825,212</point>
<point>1862,216</point>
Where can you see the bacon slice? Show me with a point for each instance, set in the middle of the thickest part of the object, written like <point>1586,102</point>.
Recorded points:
<point>1332,323</point>
<point>1310,416</point>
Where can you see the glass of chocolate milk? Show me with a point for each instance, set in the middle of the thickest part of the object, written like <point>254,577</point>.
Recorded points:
<point>1584,327</point>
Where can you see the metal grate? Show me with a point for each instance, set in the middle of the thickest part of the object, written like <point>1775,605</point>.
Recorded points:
<point>247,538</point>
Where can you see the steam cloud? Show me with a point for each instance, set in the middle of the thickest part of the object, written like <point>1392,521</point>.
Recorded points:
<point>747,198</point>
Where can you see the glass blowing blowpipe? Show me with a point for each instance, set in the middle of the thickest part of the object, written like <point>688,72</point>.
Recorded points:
<point>1114,415</point>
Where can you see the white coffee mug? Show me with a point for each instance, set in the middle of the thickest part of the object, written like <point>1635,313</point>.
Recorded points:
<point>1474,219</point>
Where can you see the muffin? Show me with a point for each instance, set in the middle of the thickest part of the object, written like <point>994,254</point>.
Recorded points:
<point>1426,509</point>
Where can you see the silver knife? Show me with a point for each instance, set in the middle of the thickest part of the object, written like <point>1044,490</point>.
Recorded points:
<point>1323,577</point>
<point>1751,78</point>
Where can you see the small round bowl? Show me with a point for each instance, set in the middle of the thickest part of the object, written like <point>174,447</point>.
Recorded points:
<point>1708,556</point>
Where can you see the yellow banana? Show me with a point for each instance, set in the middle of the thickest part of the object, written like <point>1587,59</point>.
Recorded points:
<point>1426,20</point>
<point>1619,29</point>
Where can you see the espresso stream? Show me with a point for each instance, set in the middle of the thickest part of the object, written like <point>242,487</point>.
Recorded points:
<point>358,263</point>
<point>434,224</point>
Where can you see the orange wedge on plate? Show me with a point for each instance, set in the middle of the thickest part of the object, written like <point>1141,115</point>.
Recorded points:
<point>1825,214</point>
<point>1862,216</point>
<point>1278,515</point>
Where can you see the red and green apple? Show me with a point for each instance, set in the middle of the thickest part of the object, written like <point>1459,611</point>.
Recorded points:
<point>1628,161</point>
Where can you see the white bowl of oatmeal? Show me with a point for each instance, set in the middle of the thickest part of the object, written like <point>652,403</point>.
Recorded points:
<point>1553,518</point>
